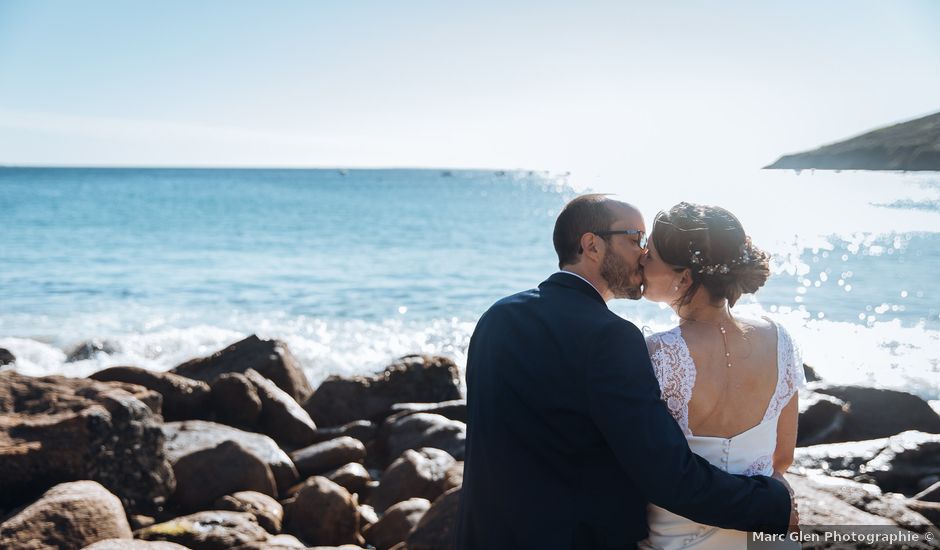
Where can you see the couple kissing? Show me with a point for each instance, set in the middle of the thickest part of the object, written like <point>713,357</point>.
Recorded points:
<point>583,434</point>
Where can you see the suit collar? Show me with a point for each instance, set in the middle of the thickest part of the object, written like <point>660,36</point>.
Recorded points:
<point>570,280</point>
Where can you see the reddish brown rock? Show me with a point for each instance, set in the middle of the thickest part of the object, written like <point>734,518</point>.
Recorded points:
<point>436,529</point>
<point>183,398</point>
<point>413,378</point>
<point>323,513</point>
<point>423,430</point>
<point>235,401</point>
<point>276,542</point>
<point>416,474</point>
<point>184,438</point>
<point>70,515</point>
<point>326,456</point>
<point>363,430</point>
<point>55,429</point>
<point>281,417</point>
<point>208,474</point>
<point>396,523</point>
<point>271,358</point>
<point>212,530</point>
<point>454,410</point>
<point>124,544</point>
<point>353,477</point>
<point>268,512</point>
<point>454,476</point>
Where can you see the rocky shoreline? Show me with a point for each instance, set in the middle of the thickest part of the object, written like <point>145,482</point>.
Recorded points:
<point>237,450</point>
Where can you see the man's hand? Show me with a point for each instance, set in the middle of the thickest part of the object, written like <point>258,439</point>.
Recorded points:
<point>794,513</point>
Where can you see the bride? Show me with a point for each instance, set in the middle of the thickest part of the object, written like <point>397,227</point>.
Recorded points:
<point>731,383</point>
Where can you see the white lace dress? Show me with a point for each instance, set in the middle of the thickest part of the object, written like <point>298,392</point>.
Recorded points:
<point>749,453</point>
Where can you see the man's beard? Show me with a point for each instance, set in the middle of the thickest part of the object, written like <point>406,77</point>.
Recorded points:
<point>623,280</point>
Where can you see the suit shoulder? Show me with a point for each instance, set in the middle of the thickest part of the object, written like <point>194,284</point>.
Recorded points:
<point>614,323</point>
<point>504,305</point>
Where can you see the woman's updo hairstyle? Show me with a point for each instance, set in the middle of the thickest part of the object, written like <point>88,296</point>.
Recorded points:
<point>710,242</point>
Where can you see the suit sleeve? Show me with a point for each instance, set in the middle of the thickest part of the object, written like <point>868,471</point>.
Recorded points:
<point>624,402</point>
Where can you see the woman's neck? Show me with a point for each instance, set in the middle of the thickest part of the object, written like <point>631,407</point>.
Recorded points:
<point>703,310</point>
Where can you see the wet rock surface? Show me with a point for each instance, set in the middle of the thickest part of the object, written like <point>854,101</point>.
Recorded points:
<point>55,429</point>
<point>69,515</point>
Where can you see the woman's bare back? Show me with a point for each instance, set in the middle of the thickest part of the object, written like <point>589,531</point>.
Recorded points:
<point>727,401</point>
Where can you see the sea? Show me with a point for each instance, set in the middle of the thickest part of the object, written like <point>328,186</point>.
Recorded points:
<point>353,268</point>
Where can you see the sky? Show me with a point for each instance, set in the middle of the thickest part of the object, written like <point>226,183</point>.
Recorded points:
<point>591,87</point>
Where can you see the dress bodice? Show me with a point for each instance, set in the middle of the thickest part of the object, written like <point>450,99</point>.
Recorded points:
<point>747,453</point>
<point>676,372</point>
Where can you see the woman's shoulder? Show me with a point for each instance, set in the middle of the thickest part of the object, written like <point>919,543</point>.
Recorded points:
<point>664,337</point>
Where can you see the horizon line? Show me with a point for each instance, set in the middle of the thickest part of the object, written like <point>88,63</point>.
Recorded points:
<point>275,167</point>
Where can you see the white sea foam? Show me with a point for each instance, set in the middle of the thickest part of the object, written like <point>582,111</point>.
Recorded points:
<point>884,354</point>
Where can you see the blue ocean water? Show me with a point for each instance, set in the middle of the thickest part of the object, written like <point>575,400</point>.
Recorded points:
<point>355,267</point>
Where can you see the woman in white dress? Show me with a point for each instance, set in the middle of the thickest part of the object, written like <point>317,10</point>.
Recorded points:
<point>731,383</point>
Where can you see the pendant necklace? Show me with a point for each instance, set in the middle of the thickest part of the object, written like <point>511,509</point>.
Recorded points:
<point>724,338</point>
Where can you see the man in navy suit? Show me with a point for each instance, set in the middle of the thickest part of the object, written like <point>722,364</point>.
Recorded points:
<point>568,439</point>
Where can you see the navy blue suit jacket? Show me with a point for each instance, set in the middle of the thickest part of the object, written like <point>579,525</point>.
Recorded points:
<point>568,439</point>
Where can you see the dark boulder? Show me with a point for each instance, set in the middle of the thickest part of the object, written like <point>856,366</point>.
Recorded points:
<point>326,456</point>
<point>184,438</point>
<point>323,513</point>
<point>6,357</point>
<point>810,373</point>
<point>454,477</point>
<point>271,358</point>
<point>929,510</point>
<point>454,410</point>
<point>88,350</point>
<point>396,523</point>
<point>183,398</point>
<point>896,463</point>
<point>125,544</point>
<point>874,413</point>
<point>413,378</point>
<point>822,418</point>
<point>70,515</point>
<point>436,529</point>
<point>363,430</point>
<point>235,401</point>
<point>212,530</point>
<point>907,458</point>
<point>415,474</point>
<point>276,542</point>
<point>281,416</point>
<point>55,429</point>
<point>419,430</point>
<point>353,477</point>
<point>930,494</point>
<point>207,474</point>
<point>268,512</point>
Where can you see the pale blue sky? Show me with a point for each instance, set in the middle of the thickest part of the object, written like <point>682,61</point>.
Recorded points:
<point>583,86</point>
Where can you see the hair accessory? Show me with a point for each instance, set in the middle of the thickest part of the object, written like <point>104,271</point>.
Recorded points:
<point>695,258</point>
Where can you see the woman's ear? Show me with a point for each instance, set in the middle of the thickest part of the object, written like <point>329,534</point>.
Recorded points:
<point>685,281</point>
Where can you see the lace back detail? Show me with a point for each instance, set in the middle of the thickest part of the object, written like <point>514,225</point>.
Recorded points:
<point>790,375</point>
<point>673,366</point>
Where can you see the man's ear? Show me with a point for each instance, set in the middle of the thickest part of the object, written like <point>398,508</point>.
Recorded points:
<point>592,246</point>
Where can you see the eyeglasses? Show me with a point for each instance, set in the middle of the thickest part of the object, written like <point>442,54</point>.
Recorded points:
<point>641,240</point>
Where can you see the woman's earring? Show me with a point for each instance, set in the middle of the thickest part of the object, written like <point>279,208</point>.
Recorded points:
<point>675,288</point>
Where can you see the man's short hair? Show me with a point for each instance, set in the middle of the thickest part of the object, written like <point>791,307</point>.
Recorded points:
<point>584,214</point>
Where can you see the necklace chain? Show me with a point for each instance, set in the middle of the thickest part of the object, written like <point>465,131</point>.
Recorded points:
<point>724,337</point>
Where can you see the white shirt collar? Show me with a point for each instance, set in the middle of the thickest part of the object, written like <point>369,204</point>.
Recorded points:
<point>585,280</point>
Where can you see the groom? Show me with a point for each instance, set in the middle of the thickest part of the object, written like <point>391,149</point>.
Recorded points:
<point>567,436</point>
